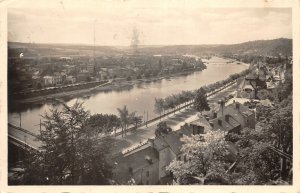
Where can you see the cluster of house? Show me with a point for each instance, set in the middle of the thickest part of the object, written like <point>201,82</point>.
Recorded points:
<point>63,77</point>
<point>57,78</point>
<point>147,163</point>
<point>263,77</point>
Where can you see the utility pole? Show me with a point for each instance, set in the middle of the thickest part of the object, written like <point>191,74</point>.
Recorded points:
<point>147,120</point>
<point>20,119</point>
<point>40,124</point>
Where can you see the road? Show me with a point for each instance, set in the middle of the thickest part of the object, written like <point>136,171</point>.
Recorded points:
<point>138,136</point>
<point>142,134</point>
<point>24,136</point>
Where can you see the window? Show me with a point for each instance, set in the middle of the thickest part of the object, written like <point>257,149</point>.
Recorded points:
<point>147,182</point>
<point>147,173</point>
<point>184,158</point>
<point>179,158</point>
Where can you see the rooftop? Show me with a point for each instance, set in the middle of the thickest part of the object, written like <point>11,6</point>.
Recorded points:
<point>232,108</point>
<point>130,163</point>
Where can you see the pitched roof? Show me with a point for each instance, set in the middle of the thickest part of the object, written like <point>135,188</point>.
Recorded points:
<point>173,140</point>
<point>224,126</point>
<point>159,143</point>
<point>136,161</point>
<point>201,121</point>
<point>252,76</point>
<point>240,82</point>
<point>232,109</point>
<point>233,122</point>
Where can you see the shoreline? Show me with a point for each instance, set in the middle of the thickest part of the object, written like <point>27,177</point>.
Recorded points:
<point>113,85</point>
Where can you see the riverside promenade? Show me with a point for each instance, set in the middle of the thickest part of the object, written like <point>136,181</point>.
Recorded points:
<point>133,137</point>
<point>136,137</point>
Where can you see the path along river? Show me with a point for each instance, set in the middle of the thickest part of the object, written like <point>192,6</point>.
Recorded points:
<point>140,98</point>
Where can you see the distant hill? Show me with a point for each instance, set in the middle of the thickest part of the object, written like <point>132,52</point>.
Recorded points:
<point>260,47</point>
<point>48,50</point>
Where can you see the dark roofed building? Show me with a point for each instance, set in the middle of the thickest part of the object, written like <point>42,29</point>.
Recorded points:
<point>233,118</point>
<point>228,125</point>
<point>147,163</point>
<point>140,165</point>
<point>248,86</point>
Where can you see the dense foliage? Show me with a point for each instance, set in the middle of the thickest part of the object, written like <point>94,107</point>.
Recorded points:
<point>162,129</point>
<point>200,101</point>
<point>264,155</point>
<point>71,152</point>
<point>127,119</point>
<point>204,158</point>
<point>184,98</point>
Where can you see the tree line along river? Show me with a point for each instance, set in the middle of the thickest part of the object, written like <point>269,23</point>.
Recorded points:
<point>140,98</point>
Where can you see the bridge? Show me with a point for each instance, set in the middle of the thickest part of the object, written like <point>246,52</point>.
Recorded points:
<point>23,138</point>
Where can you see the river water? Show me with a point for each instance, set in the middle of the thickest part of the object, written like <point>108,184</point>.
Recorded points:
<point>140,98</point>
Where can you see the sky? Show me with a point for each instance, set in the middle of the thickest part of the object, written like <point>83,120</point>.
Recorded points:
<point>156,22</point>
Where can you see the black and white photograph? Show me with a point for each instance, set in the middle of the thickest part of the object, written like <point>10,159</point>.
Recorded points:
<point>148,93</point>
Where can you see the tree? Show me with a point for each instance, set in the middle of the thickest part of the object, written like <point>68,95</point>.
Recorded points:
<point>162,128</point>
<point>203,157</point>
<point>104,123</point>
<point>159,106</point>
<point>71,151</point>
<point>128,78</point>
<point>257,163</point>
<point>125,118</point>
<point>139,76</point>
<point>263,94</point>
<point>136,120</point>
<point>169,101</point>
<point>200,102</point>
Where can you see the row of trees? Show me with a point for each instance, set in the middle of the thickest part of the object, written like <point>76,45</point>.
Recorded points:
<point>183,98</point>
<point>173,101</point>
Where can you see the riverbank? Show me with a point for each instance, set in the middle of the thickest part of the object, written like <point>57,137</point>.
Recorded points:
<point>126,85</point>
<point>134,137</point>
<point>140,98</point>
<point>112,85</point>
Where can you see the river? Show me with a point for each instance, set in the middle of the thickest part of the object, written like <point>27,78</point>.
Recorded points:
<point>140,98</point>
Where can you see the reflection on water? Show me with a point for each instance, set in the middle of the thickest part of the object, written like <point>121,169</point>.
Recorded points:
<point>140,97</point>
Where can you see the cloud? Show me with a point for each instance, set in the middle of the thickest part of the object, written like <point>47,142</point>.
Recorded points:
<point>69,22</point>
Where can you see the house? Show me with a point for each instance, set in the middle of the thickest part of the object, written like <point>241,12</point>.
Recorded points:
<point>70,79</point>
<point>140,166</point>
<point>83,76</point>
<point>246,87</point>
<point>233,118</point>
<point>90,68</point>
<point>147,163</point>
<point>48,80</point>
<point>57,78</point>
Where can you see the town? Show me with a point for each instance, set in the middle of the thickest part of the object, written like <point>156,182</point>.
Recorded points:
<point>227,113</point>
<point>140,93</point>
<point>40,74</point>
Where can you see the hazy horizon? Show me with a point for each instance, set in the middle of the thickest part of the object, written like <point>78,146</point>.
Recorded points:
<point>114,23</point>
<point>141,45</point>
